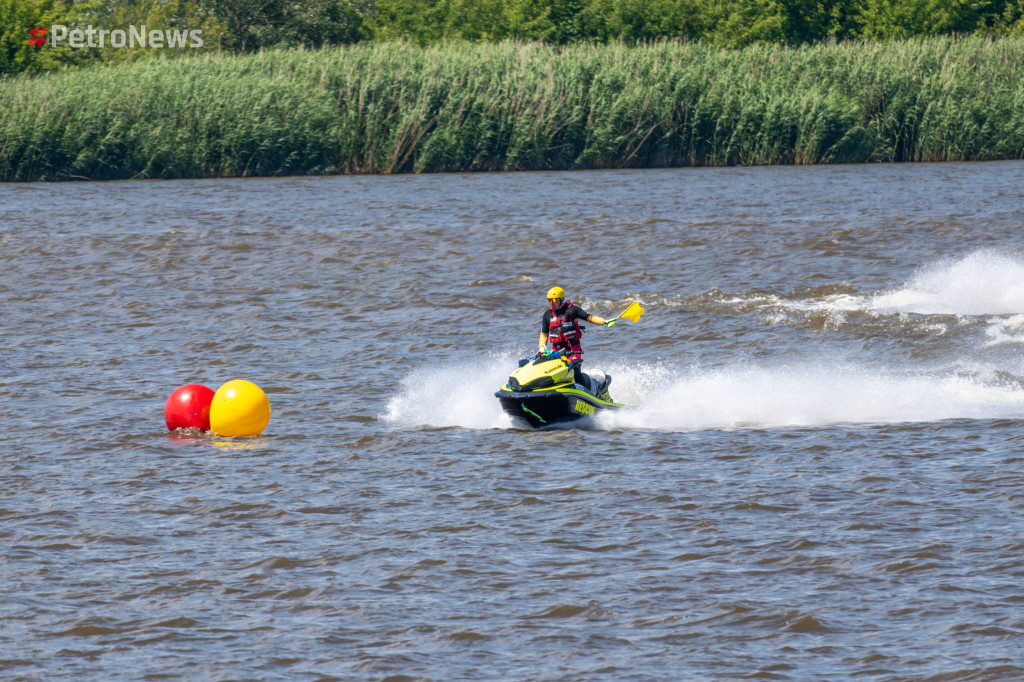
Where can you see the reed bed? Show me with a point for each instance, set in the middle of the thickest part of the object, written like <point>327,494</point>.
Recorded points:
<point>396,108</point>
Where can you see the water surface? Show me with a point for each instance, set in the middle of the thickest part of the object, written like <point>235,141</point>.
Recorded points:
<point>821,476</point>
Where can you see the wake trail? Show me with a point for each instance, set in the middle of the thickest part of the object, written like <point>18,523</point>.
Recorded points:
<point>815,392</point>
<point>687,399</point>
<point>982,283</point>
<point>802,394</point>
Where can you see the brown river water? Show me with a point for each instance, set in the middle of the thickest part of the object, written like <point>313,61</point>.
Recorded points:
<point>821,475</point>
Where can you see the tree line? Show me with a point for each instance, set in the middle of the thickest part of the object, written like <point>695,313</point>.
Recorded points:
<point>245,26</point>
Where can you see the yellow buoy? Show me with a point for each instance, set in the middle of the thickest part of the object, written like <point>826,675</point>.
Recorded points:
<point>239,408</point>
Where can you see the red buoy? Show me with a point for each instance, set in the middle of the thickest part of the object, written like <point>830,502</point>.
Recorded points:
<point>189,408</point>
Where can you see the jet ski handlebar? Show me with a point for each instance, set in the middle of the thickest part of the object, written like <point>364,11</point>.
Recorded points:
<point>551,353</point>
<point>544,355</point>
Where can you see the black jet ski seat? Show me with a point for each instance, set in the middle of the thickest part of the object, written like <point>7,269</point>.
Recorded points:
<point>597,382</point>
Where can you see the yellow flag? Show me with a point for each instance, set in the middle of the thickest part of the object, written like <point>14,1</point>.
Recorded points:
<point>633,312</point>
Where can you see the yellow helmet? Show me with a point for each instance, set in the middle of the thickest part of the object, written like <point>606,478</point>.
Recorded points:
<point>555,292</point>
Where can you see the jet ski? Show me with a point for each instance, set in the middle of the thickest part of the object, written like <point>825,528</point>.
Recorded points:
<point>543,392</point>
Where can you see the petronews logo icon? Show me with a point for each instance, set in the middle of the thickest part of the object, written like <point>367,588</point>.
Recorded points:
<point>37,36</point>
<point>135,36</point>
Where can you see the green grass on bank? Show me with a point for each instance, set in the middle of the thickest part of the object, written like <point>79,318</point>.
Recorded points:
<point>395,108</point>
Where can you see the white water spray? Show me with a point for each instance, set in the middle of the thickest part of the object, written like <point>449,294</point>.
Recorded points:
<point>805,394</point>
<point>452,394</point>
<point>676,399</point>
<point>982,283</point>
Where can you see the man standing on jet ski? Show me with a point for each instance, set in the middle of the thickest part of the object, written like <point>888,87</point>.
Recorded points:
<point>561,326</point>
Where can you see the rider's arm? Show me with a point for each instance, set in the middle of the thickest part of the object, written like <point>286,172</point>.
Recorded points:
<point>580,313</point>
<point>544,321</point>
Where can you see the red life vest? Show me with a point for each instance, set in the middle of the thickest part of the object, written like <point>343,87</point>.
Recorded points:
<point>563,333</point>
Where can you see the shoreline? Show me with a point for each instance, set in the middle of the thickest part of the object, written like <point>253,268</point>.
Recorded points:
<point>492,173</point>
